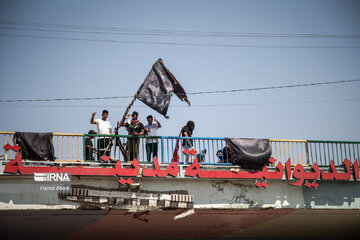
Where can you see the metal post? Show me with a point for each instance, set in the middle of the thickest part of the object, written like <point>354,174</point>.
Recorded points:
<point>84,149</point>
<point>162,149</point>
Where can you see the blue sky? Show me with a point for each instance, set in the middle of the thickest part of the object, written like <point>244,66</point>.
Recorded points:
<point>43,68</point>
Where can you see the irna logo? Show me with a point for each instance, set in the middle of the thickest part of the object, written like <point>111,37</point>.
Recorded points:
<point>52,177</point>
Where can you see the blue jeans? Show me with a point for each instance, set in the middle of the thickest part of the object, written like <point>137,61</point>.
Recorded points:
<point>151,148</point>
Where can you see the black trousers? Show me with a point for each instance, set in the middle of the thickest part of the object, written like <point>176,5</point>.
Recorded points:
<point>133,148</point>
<point>102,144</point>
<point>151,148</point>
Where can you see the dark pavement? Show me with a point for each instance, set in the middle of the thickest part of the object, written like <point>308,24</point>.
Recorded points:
<point>204,224</point>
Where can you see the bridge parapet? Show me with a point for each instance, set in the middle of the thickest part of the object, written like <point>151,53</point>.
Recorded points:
<point>71,147</point>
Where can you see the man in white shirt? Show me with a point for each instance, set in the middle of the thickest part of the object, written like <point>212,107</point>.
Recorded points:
<point>152,143</point>
<point>104,128</point>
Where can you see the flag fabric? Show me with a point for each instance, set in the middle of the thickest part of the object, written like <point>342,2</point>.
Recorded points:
<point>35,146</point>
<point>249,153</point>
<point>157,88</point>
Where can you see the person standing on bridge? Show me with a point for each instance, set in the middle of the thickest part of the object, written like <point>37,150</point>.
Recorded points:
<point>89,149</point>
<point>104,128</point>
<point>135,128</point>
<point>152,143</point>
<point>187,131</point>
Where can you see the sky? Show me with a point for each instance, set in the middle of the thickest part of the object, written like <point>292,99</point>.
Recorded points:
<point>88,49</point>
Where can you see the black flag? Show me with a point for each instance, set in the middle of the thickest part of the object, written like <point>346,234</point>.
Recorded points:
<point>157,88</point>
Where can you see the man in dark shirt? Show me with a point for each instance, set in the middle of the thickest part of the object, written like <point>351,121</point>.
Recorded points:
<point>224,155</point>
<point>134,128</point>
<point>89,149</point>
<point>187,131</point>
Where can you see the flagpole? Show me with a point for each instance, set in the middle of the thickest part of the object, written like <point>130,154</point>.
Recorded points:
<point>169,79</point>
<point>127,111</point>
<point>121,123</point>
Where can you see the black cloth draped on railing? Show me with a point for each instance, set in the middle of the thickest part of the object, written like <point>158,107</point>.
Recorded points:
<point>249,153</point>
<point>35,146</point>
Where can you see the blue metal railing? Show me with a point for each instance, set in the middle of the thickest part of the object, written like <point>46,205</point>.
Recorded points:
<point>322,152</point>
<point>174,149</point>
<point>71,147</point>
<point>205,149</point>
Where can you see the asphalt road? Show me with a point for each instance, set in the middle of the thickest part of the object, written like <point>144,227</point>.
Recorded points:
<point>204,224</point>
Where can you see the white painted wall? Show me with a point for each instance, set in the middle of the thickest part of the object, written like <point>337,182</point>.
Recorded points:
<point>21,192</point>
